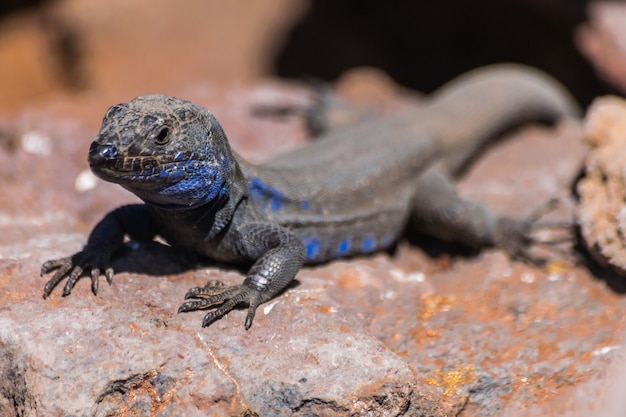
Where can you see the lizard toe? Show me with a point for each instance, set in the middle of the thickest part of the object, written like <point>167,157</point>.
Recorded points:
<point>56,264</point>
<point>71,280</point>
<point>514,236</point>
<point>222,299</point>
<point>108,273</point>
<point>63,265</point>
<point>522,239</point>
<point>95,280</point>
<point>210,289</point>
<point>219,312</point>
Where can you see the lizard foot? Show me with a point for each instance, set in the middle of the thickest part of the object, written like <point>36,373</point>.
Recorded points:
<point>72,267</point>
<point>224,298</point>
<point>520,238</point>
<point>514,236</point>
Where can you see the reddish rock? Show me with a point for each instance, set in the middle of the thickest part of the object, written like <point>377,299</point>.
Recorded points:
<point>603,190</point>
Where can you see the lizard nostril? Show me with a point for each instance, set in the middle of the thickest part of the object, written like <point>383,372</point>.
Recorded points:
<point>102,153</point>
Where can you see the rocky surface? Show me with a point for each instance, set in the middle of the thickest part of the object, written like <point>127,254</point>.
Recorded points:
<point>602,191</point>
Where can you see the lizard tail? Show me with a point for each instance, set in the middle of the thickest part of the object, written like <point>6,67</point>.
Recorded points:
<point>498,98</point>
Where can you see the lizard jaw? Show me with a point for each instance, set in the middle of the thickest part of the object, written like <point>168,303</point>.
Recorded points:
<point>151,177</point>
<point>143,171</point>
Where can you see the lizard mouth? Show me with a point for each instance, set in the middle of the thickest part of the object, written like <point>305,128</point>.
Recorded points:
<point>105,162</point>
<point>136,163</point>
<point>143,172</point>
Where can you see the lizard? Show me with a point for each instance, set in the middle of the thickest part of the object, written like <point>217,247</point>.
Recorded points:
<point>352,192</point>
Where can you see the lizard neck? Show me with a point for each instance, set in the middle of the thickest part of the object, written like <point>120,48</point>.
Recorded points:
<point>208,219</point>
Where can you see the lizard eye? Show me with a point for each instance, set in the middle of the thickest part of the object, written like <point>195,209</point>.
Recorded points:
<point>162,136</point>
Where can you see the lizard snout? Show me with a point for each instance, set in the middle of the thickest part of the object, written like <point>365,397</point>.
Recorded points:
<point>101,154</point>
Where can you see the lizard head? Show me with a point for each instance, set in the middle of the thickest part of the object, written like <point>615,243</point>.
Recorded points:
<point>169,152</point>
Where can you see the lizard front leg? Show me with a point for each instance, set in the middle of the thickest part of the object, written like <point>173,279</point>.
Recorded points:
<point>106,238</point>
<point>279,256</point>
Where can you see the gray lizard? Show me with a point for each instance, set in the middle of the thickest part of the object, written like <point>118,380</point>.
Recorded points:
<point>353,192</point>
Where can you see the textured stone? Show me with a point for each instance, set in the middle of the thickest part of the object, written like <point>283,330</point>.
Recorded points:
<point>601,213</point>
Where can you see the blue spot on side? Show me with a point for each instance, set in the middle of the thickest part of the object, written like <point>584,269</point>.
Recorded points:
<point>368,244</point>
<point>266,195</point>
<point>387,240</point>
<point>304,205</point>
<point>343,247</point>
<point>276,203</point>
<point>256,188</point>
<point>312,244</point>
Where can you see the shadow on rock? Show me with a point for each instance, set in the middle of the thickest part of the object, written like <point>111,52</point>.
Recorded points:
<point>154,258</point>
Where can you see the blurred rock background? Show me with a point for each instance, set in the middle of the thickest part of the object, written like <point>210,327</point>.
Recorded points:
<point>131,47</point>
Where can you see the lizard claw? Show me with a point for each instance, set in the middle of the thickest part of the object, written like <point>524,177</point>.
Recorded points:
<point>522,240</point>
<point>519,238</point>
<point>226,298</point>
<point>514,236</point>
<point>63,266</point>
<point>72,267</point>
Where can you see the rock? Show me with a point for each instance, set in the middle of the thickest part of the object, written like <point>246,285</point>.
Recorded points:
<point>599,395</point>
<point>601,212</point>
